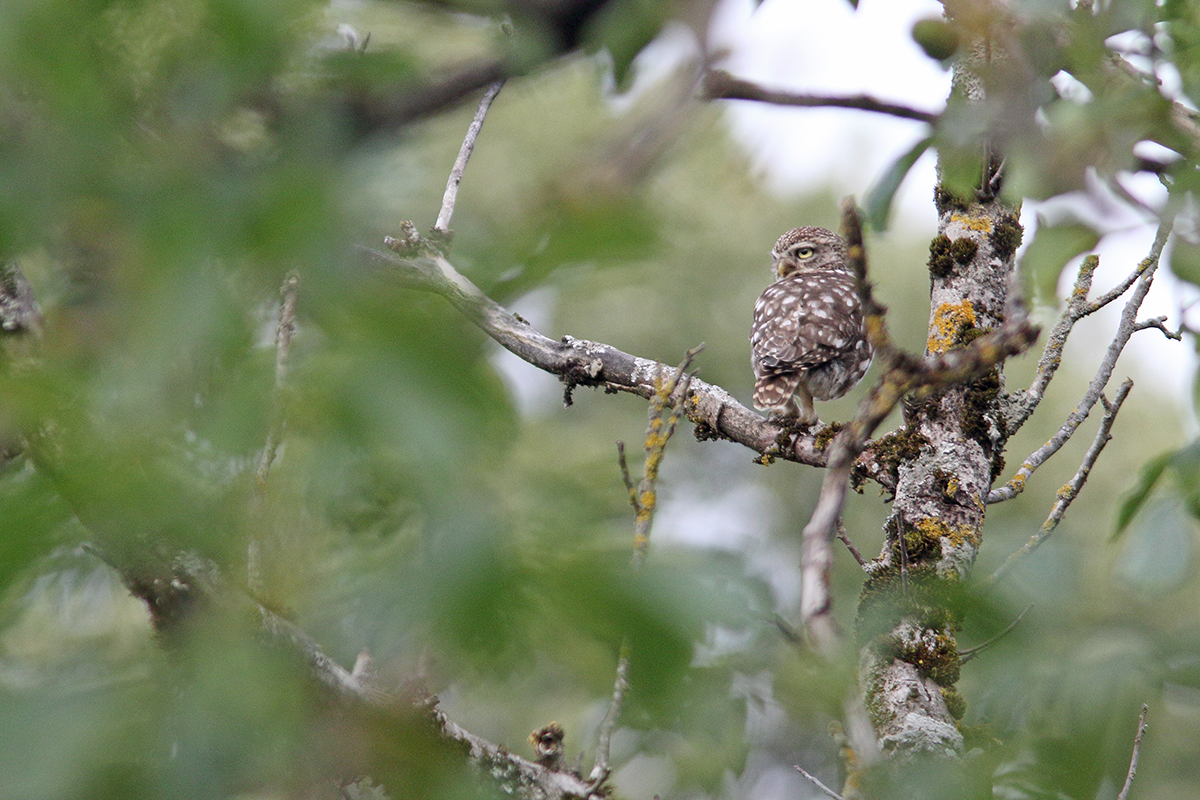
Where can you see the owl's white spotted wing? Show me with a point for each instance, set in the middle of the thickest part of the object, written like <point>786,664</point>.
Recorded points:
<point>805,320</point>
<point>802,323</point>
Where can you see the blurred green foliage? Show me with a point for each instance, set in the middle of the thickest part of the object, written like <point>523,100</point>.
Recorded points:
<point>164,164</point>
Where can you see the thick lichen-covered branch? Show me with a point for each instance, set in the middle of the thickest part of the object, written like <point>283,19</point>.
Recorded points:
<point>904,374</point>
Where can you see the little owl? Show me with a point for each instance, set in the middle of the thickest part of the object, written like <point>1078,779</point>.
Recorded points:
<point>807,340</point>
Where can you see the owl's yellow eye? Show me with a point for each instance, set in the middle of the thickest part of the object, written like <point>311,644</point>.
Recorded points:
<point>804,252</point>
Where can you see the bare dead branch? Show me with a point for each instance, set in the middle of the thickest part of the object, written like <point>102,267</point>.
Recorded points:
<point>629,485</point>
<point>1078,307</point>
<point>1137,750</point>
<point>600,769</point>
<point>442,225</point>
<point>813,780</point>
<point>1068,492</point>
<point>845,538</point>
<point>1142,280</point>
<point>371,115</point>
<point>1159,324</point>
<point>967,653</point>
<point>284,331</point>
<point>579,362</point>
<point>720,85</point>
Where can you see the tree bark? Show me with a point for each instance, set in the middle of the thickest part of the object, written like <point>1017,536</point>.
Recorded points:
<point>953,442</point>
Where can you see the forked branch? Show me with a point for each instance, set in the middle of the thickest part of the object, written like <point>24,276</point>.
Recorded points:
<point>1068,493</point>
<point>579,362</point>
<point>1140,280</point>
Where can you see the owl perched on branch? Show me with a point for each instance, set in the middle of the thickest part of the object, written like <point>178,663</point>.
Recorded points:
<point>807,340</point>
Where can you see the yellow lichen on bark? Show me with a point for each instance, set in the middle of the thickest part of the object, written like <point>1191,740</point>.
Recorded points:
<point>949,322</point>
<point>930,532</point>
<point>982,224</point>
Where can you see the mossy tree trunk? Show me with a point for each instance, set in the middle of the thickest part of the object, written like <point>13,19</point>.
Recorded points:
<point>954,441</point>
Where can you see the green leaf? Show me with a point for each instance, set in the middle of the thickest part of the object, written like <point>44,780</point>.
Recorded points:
<point>936,37</point>
<point>1184,260</point>
<point>624,28</point>
<point>1151,473</point>
<point>1157,553</point>
<point>1052,247</point>
<point>879,199</point>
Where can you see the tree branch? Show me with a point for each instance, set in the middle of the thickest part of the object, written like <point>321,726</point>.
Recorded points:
<point>813,780</point>
<point>600,768</point>
<point>284,330</point>
<point>968,653</point>
<point>442,226</point>
<point>1142,279</point>
<point>845,539</point>
<point>579,362</point>
<point>1133,760</point>
<point>176,590</point>
<point>371,115</point>
<point>720,85</point>
<point>644,499</point>
<point>1068,492</point>
<point>1078,306</point>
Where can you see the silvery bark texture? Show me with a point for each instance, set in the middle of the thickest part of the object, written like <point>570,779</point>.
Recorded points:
<point>953,440</point>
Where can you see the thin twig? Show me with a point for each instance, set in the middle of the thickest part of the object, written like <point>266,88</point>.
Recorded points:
<point>966,654</point>
<point>1137,750</point>
<point>285,329</point>
<point>1143,278</point>
<point>464,154</point>
<point>1160,324</point>
<point>658,432</point>
<point>1068,492</point>
<point>812,779</point>
<point>1078,307</point>
<point>720,85</point>
<point>673,394</point>
<point>845,538</point>
<point>601,770</point>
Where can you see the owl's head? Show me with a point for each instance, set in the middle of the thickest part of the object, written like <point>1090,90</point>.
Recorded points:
<point>808,248</point>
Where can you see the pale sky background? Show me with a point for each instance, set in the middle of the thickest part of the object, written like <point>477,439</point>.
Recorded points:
<point>826,47</point>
